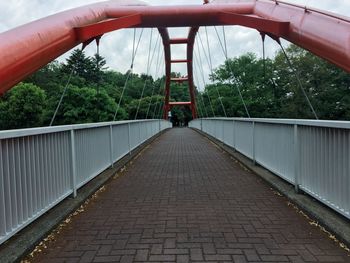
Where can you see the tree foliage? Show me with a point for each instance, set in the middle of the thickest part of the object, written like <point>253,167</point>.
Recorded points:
<point>274,92</point>
<point>269,89</point>
<point>23,107</point>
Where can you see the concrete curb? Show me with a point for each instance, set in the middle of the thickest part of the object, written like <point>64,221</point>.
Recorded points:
<point>332,221</point>
<point>25,241</point>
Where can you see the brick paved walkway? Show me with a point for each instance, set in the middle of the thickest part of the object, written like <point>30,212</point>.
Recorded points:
<point>184,200</point>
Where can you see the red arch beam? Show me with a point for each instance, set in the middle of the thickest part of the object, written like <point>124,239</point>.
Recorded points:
<point>25,49</point>
<point>88,32</point>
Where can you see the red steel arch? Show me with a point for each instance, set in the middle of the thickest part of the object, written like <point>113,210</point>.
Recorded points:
<point>25,49</point>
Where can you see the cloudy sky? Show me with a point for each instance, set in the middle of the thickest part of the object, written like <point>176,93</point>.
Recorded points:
<point>117,46</point>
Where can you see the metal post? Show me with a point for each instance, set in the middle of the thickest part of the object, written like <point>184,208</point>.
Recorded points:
<point>201,124</point>
<point>111,145</point>
<point>296,160</point>
<point>139,125</point>
<point>223,134</point>
<point>160,128</point>
<point>234,135</point>
<point>254,159</point>
<point>74,163</point>
<point>129,139</point>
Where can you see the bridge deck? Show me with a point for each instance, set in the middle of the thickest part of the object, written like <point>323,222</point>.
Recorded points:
<point>183,200</point>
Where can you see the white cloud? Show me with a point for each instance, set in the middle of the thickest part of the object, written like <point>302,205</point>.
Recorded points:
<point>117,47</point>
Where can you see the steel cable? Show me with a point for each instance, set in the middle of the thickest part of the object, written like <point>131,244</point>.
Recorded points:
<point>296,73</point>
<point>149,62</point>
<point>212,72</point>
<point>134,52</point>
<point>203,78</point>
<point>62,96</point>
<point>156,74</point>
<point>232,73</point>
<point>201,98</point>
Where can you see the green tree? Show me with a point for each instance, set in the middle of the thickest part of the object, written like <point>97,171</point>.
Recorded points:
<point>22,107</point>
<point>244,73</point>
<point>86,105</point>
<point>326,86</point>
<point>82,65</point>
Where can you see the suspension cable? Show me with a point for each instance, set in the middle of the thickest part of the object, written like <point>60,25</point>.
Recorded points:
<point>197,80</point>
<point>162,80</point>
<point>134,52</point>
<point>212,72</point>
<point>225,42</point>
<point>149,62</point>
<point>97,64</point>
<point>160,109</point>
<point>296,73</point>
<point>203,79</point>
<point>221,44</point>
<point>199,108</point>
<point>156,74</point>
<point>161,83</point>
<point>62,96</point>
<point>199,94</point>
<point>202,45</point>
<point>233,75</point>
<point>162,100</point>
<point>161,90</point>
<point>198,105</point>
<point>264,56</point>
<point>161,103</point>
<point>209,52</point>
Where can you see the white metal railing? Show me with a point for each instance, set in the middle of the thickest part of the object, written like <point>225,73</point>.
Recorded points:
<point>312,155</point>
<point>41,167</point>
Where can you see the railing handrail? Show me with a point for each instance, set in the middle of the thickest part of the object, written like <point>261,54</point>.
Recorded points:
<point>40,167</point>
<point>311,155</point>
<point>6,134</point>
<point>300,122</point>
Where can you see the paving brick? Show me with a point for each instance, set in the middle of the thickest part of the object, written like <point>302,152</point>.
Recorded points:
<point>239,259</point>
<point>184,200</point>
<point>209,248</point>
<point>88,256</point>
<point>196,254</point>
<point>217,257</point>
<point>182,259</point>
<point>127,259</point>
<point>107,259</point>
<point>170,243</point>
<point>142,255</point>
<point>162,258</point>
<point>251,255</point>
<point>175,251</point>
<point>274,258</point>
<point>230,251</point>
<point>157,249</point>
<point>123,252</point>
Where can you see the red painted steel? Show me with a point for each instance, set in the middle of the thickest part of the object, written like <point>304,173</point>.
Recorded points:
<point>178,41</point>
<point>179,103</point>
<point>86,33</point>
<point>167,57</point>
<point>179,79</point>
<point>179,61</point>
<point>25,49</point>
<point>191,39</point>
<point>168,61</point>
<point>277,28</point>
